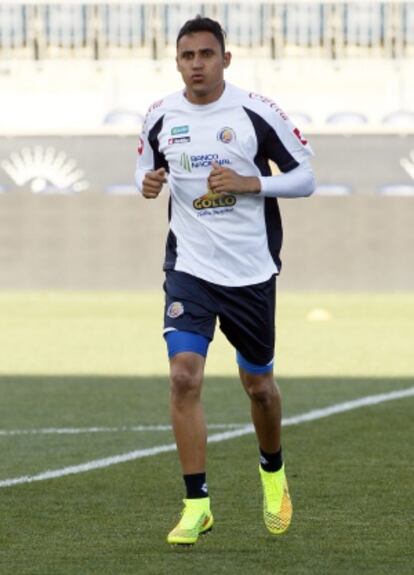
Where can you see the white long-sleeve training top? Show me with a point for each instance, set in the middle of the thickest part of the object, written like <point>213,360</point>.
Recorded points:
<point>227,239</point>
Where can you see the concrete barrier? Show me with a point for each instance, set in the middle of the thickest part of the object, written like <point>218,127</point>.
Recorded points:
<point>95,233</point>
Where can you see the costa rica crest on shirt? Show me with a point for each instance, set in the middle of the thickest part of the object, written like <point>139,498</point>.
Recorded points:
<point>226,135</point>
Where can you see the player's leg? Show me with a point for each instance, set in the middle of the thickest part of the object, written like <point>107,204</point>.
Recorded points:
<point>187,417</point>
<point>266,411</point>
<point>247,318</point>
<point>187,353</point>
<point>188,329</point>
<point>265,405</point>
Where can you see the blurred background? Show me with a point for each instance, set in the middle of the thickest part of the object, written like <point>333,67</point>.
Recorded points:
<point>77,77</point>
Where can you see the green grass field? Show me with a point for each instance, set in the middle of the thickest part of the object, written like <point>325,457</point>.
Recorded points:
<point>77,361</point>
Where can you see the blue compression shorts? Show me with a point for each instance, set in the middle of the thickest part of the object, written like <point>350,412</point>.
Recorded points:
<point>181,341</point>
<point>253,367</point>
<point>186,341</point>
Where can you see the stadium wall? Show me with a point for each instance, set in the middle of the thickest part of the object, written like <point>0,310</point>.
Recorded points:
<point>71,219</point>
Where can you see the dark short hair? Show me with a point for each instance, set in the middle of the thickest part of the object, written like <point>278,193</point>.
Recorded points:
<point>203,24</point>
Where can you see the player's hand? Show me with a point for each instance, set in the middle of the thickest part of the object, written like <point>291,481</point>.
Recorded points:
<point>153,182</point>
<point>226,180</point>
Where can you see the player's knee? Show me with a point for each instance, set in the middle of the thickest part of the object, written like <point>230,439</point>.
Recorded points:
<point>261,396</point>
<point>185,384</point>
<point>263,392</point>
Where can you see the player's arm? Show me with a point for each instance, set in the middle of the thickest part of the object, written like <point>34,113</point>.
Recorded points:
<point>299,182</point>
<point>149,177</point>
<point>280,141</point>
<point>291,152</point>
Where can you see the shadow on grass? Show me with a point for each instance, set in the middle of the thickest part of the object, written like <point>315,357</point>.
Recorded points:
<point>114,521</point>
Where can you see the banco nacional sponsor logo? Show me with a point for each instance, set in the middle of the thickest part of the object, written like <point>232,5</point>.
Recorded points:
<point>202,161</point>
<point>185,162</point>
<point>212,201</point>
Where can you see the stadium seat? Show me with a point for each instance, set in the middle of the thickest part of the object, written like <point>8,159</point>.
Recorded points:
<point>363,24</point>
<point>304,24</point>
<point>124,118</point>
<point>399,118</point>
<point>395,190</point>
<point>333,190</point>
<point>408,24</point>
<point>64,26</point>
<point>347,118</point>
<point>13,30</point>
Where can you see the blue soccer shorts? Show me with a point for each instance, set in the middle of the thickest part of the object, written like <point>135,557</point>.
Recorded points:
<point>246,317</point>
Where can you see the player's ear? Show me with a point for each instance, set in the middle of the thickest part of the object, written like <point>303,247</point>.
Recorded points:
<point>226,59</point>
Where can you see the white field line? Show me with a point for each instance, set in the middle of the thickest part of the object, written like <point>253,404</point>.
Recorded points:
<point>122,429</point>
<point>215,438</point>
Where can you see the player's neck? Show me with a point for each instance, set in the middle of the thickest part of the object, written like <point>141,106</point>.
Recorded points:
<point>202,98</point>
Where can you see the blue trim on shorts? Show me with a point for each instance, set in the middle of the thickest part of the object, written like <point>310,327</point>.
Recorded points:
<point>181,341</point>
<point>253,367</point>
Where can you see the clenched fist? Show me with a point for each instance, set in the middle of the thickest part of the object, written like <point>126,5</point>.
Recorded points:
<point>153,182</point>
<point>226,180</point>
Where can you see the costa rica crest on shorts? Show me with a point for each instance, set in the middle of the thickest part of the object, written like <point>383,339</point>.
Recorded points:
<point>175,309</point>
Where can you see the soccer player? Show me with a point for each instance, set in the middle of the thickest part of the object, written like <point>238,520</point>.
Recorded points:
<point>212,143</point>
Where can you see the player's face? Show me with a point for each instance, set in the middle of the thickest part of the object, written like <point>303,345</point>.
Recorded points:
<point>201,63</point>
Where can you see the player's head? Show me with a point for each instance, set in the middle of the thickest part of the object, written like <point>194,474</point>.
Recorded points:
<point>202,58</point>
<point>203,24</point>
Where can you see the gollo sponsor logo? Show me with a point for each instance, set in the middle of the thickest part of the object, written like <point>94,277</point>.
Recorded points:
<point>212,201</point>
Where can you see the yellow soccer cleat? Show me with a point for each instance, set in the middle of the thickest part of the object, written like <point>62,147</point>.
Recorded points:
<point>196,519</point>
<point>277,506</point>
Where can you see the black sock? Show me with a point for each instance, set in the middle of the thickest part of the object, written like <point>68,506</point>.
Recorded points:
<point>271,461</point>
<point>196,485</point>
